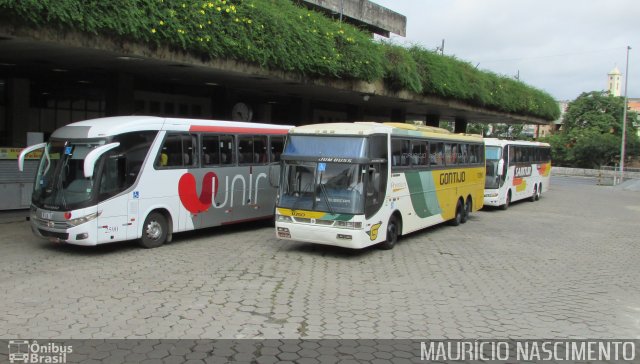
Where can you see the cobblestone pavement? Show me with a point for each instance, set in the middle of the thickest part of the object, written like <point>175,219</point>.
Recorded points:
<point>567,266</point>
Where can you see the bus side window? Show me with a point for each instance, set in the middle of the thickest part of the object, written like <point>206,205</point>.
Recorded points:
<point>276,146</point>
<point>396,152</point>
<point>170,152</point>
<point>248,151</point>
<point>419,152</point>
<point>260,149</point>
<point>210,150</point>
<point>463,155</point>
<point>226,149</point>
<point>189,148</point>
<point>400,149</point>
<point>436,156</point>
<point>473,152</point>
<point>450,154</point>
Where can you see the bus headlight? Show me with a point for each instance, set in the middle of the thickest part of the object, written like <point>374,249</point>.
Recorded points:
<point>491,194</point>
<point>283,218</point>
<point>349,224</point>
<point>284,233</point>
<point>82,220</point>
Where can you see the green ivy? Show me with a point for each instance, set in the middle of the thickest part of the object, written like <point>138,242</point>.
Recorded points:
<point>280,35</point>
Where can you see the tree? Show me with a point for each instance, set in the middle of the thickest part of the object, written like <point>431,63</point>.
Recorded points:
<point>592,132</point>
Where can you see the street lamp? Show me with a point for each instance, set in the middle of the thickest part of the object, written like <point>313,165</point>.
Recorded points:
<point>624,117</point>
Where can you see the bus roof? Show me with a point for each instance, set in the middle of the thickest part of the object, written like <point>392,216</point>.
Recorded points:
<point>368,128</point>
<point>102,127</point>
<point>504,142</point>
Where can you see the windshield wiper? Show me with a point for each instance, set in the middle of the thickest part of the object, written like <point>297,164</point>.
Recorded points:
<point>326,197</point>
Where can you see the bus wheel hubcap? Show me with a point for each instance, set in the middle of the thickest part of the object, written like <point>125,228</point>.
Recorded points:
<point>154,230</point>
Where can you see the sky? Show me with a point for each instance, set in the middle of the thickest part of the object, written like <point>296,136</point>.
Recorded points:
<point>563,47</point>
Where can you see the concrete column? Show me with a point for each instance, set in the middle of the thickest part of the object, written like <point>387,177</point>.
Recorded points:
<point>300,112</point>
<point>355,113</point>
<point>433,120</point>
<point>460,125</point>
<point>398,115</point>
<point>18,91</point>
<point>120,96</point>
<point>262,113</point>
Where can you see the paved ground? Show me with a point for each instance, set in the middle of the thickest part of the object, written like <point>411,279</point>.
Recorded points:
<point>564,267</point>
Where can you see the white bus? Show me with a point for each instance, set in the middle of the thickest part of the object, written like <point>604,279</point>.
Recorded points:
<point>358,184</point>
<point>141,177</point>
<point>515,170</point>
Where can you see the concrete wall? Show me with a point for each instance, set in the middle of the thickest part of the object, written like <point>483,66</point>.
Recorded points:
<point>582,172</point>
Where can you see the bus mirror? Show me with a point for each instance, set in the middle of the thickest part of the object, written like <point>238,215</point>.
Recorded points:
<point>500,167</point>
<point>92,157</point>
<point>26,151</point>
<point>274,175</point>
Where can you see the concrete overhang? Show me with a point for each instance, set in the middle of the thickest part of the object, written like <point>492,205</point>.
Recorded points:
<point>363,14</point>
<point>33,51</point>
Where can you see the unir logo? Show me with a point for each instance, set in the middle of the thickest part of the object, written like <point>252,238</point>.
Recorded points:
<point>187,190</point>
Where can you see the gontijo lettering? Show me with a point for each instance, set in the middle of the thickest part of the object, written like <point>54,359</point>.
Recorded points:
<point>452,177</point>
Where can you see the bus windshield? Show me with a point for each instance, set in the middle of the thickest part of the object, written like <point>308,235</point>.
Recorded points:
<point>493,153</point>
<point>330,187</point>
<point>60,181</point>
<point>325,146</point>
<point>492,156</point>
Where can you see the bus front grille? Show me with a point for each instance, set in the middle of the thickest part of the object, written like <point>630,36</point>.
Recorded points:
<point>53,234</point>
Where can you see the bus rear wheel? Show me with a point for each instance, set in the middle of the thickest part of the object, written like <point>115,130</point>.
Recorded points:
<point>393,231</point>
<point>467,210</point>
<point>154,231</point>
<point>457,220</point>
<point>534,196</point>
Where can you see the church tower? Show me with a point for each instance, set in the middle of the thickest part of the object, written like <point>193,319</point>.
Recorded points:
<point>613,83</point>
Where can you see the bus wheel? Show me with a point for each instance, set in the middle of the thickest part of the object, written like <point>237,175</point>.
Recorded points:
<point>539,194</point>
<point>534,196</point>
<point>457,220</point>
<point>467,210</point>
<point>393,231</point>
<point>506,203</point>
<point>154,231</point>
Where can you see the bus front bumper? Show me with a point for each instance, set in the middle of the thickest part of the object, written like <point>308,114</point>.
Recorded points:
<point>76,235</point>
<point>492,198</point>
<point>346,238</point>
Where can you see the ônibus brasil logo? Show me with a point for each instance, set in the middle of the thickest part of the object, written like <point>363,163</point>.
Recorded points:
<point>23,351</point>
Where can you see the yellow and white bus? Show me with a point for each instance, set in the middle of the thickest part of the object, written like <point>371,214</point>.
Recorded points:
<point>358,184</point>
<point>515,170</point>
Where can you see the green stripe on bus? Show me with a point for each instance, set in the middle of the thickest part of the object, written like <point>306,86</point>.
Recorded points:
<point>339,217</point>
<point>422,190</point>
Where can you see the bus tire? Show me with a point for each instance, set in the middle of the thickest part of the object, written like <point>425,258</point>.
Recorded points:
<point>393,231</point>
<point>539,192</point>
<point>154,231</point>
<point>467,210</point>
<point>457,219</point>
<point>507,202</point>
<point>534,195</point>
